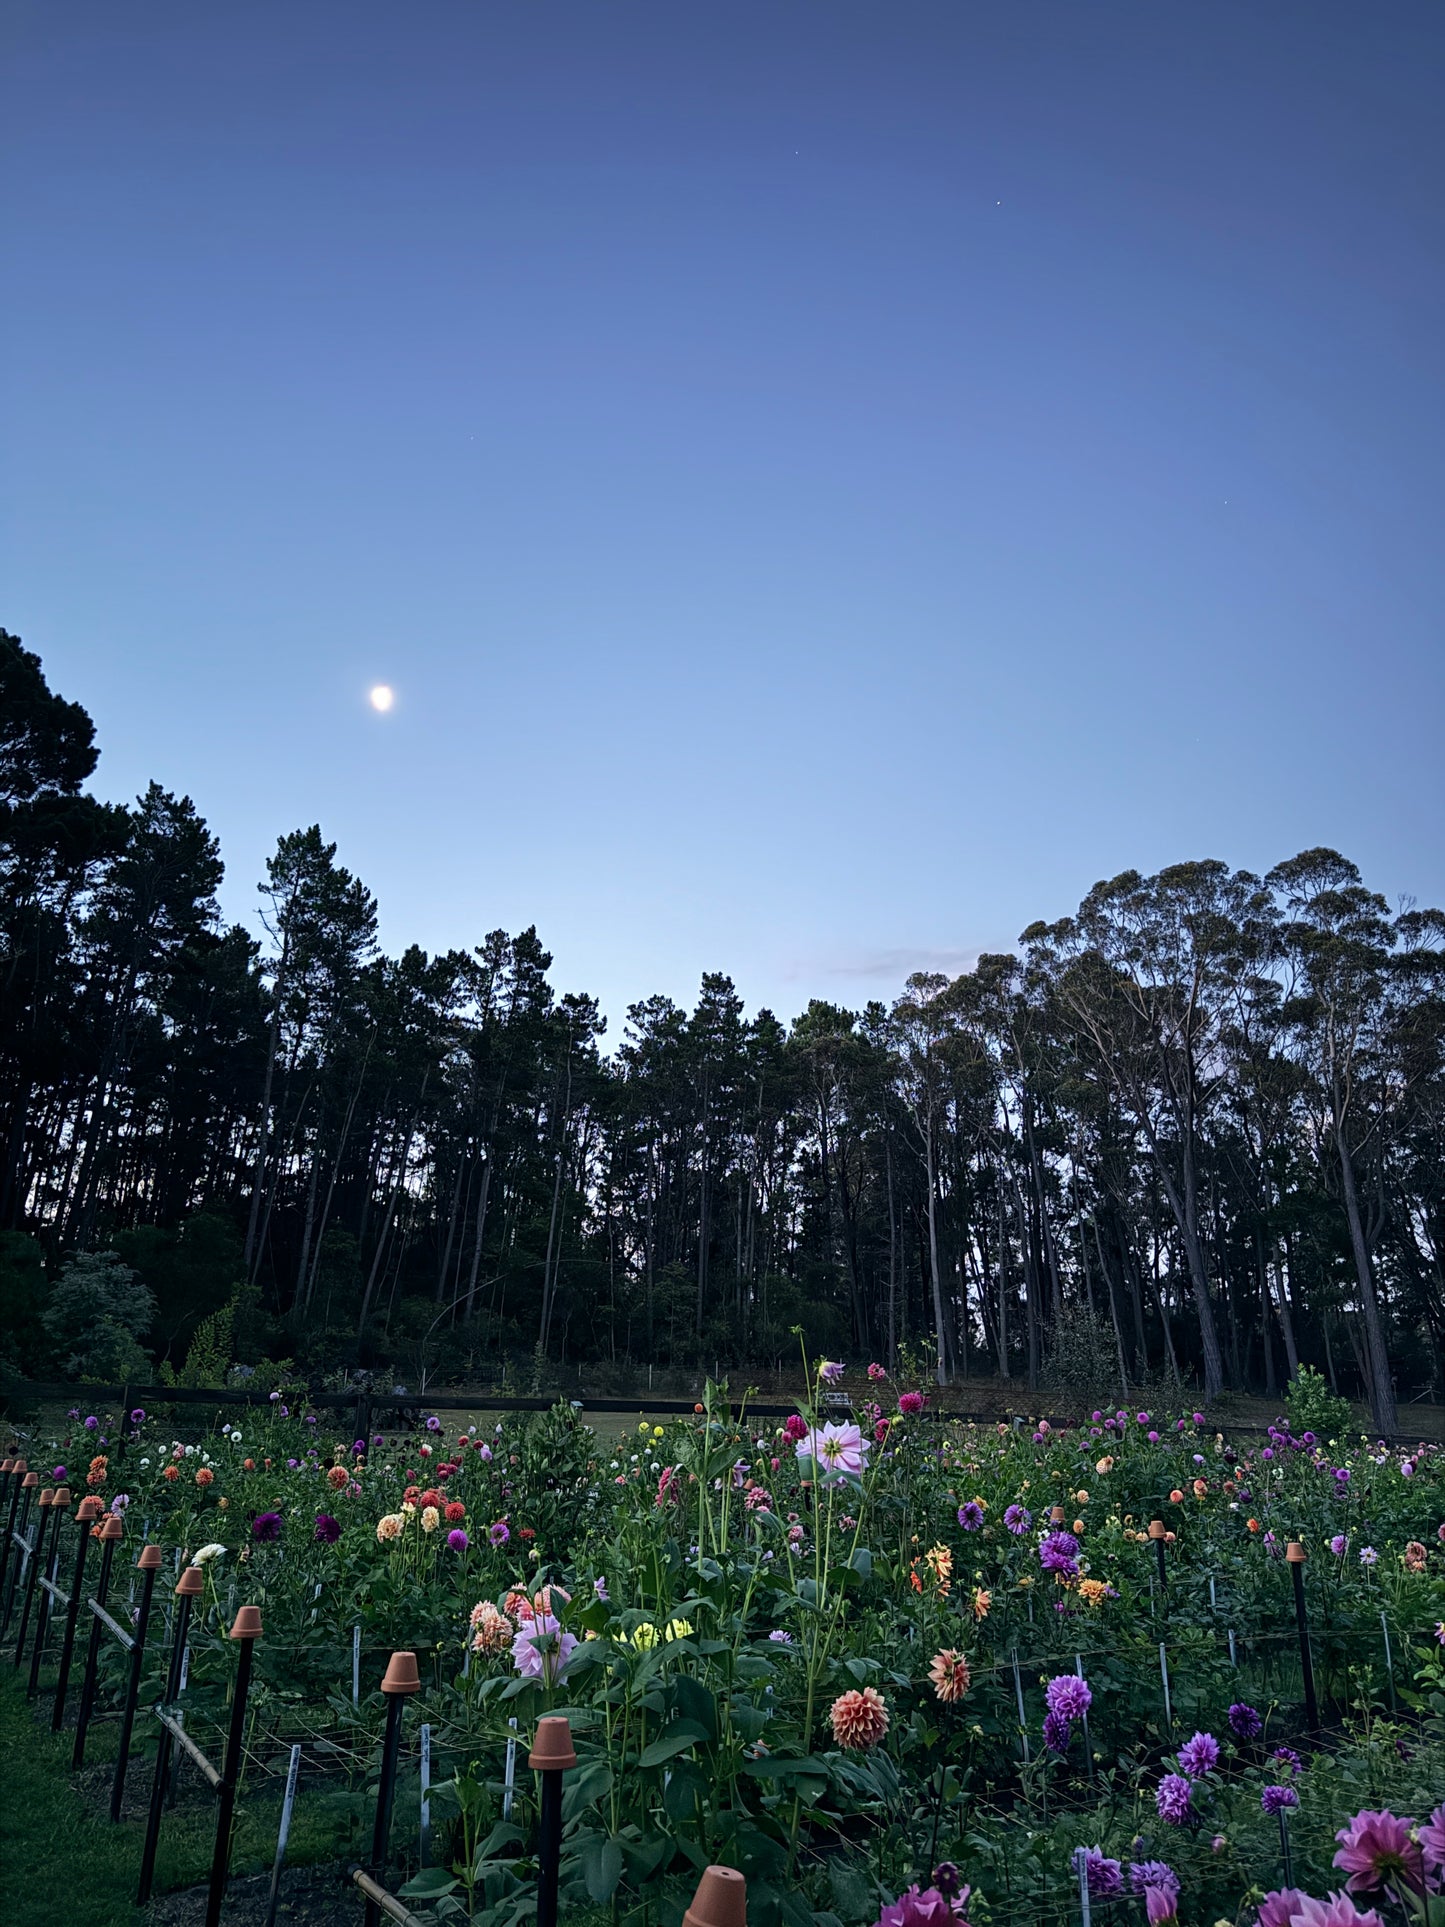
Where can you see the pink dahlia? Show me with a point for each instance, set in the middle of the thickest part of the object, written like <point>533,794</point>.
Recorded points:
<point>1432,1841</point>
<point>859,1718</point>
<point>839,1449</point>
<point>1279,1908</point>
<point>924,1907</point>
<point>1335,1910</point>
<point>1376,1847</point>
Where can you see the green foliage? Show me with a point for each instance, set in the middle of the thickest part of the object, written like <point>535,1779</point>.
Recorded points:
<point>1082,1356</point>
<point>96,1313</point>
<point>1312,1407</point>
<point>22,1302</point>
<point>192,1272</point>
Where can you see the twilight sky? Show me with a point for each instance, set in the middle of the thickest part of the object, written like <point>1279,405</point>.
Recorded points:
<point>827,482</point>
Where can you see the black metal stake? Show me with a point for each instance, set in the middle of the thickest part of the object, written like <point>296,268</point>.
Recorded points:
<point>13,1481</point>
<point>551,1755</point>
<point>163,1754</point>
<point>16,1532</point>
<point>242,1631</point>
<point>35,1566</point>
<point>1295,1553</point>
<point>385,1795</point>
<point>108,1542</point>
<point>85,1518</point>
<point>137,1662</point>
<point>47,1598</point>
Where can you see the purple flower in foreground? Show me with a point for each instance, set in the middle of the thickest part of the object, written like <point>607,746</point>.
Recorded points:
<point>92,1424</point>
<point>1105,1876</point>
<point>1160,1905</point>
<point>1058,1730</point>
<point>1059,1552</point>
<point>924,1907</point>
<point>1068,1696</point>
<point>1277,1909</point>
<point>599,1589</point>
<point>970,1515</point>
<point>1017,1520</point>
<point>328,1530</point>
<point>1274,1799</point>
<point>1173,1799</point>
<point>266,1526</point>
<point>1144,1874</point>
<point>457,1539</point>
<point>1432,1840</point>
<point>1244,1722</point>
<point>1376,1847</point>
<point>1199,1756</point>
<point>949,1881</point>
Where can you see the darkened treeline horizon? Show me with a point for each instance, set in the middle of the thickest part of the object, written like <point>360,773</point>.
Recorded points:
<point>1199,1123</point>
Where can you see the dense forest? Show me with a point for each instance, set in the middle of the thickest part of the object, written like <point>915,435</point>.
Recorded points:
<point>1191,1133</point>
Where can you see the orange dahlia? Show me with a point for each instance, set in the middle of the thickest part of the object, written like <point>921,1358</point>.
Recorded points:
<point>950,1675</point>
<point>859,1718</point>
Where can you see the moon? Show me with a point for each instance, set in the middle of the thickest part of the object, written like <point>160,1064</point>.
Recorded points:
<point>382,697</point>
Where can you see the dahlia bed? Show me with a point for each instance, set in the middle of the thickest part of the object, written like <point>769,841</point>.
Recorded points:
<point>897,1670</point>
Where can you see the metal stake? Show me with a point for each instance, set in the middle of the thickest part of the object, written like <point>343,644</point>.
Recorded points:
<point>1081,1866</point>
<point>1389,1661</point>
<point>401,1680</point>
<point>148,1565</point>
<point>551,1755</point>
<point>283,1833</point>
<point>425,1795</point>
<point>110,1534</point>
<point>246,1630</point>
<point>1164,1675</point>
<point>1295,1553</point>
<point>87,1513</point>
<point>1019,1695</point>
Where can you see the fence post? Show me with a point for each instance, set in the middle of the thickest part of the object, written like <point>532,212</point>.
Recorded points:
<point>551,1755</point>
<point>1295,1553</point>
<point>247,1630</point>
<point>1081,1867</point>
<point>111,1530</point>
<point>11,1474</point>
<point>33,1561</point>
<point>148,1565</point>
<point>28,1482</point>
<point>87,1513</point>
<point>425,1817</point>
<point>400,1681</point>
<point>59,1513</point>
<point>188,1587</point>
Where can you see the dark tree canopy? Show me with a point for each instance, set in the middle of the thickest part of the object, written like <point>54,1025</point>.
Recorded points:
<point>1192,1132</point>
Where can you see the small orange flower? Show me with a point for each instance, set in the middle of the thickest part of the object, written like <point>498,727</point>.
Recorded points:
<point>172,1472</point>
<point>248,1465</point>
<point>455,1513</point>
<point>1253,1524</point>
<point>981,1602</point>
<point>1201,1486</point>
<point>1176,1497</point>
<point>336,1477</point>
<point>1078,1525</point>
<point>205,1476</point>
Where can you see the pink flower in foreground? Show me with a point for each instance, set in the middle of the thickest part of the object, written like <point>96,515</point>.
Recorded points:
<point>1279,1908</point>
<point>1432,1840</point>
<point>1160,1904</point>
<point>859,1718</point>
<point>839,1449</point>
<point>923,1907</point>
<point>1376,1847</point>
<point>1335,1910</point>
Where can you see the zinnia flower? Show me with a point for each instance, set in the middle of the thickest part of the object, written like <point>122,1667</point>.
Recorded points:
<point>1376,1847</point>
<point>328,1530</point>
<point>950,1675</point>
<point>859,1718</point>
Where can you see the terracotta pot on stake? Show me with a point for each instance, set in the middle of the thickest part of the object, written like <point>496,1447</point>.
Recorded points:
<point>551,1755</point>
<point>189,1587</point>
<point>1295,1553</point>
<point>399,1682</point>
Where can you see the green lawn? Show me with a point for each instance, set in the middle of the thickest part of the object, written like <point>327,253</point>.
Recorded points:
<point>62,1862</point>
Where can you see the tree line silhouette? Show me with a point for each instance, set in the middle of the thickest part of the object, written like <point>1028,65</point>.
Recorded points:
<point>1191,1132</point>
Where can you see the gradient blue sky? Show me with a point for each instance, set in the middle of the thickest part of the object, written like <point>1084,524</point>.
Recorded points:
<point>827,482</point>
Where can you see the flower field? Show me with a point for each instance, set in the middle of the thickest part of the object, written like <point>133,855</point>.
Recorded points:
<point>893,1669</point>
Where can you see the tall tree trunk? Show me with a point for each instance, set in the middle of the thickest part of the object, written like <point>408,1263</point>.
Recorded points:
<point>1380,1385</point>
